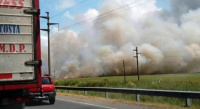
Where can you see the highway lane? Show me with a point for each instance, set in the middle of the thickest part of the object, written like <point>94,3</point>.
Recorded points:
<point>60,104</point>
<point>67,102</point>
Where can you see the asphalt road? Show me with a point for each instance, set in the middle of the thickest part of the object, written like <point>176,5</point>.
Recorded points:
<point>67,102</point>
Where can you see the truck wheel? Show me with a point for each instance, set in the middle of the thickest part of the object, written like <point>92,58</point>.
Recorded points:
<point>52,100</point>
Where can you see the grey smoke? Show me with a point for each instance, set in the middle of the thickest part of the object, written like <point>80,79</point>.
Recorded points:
<point>166,46</point>
<point>180,7</point>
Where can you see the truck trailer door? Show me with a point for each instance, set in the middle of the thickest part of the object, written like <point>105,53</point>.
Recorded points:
<point>17,40</point>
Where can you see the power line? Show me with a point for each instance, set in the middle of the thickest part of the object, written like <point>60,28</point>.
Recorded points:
<point>107,13</point>
<point>69,8</point>
<point>100,16</point>
<point>49,8</point>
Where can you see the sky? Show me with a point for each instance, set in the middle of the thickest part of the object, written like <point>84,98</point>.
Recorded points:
<point>65,12</point>
<point>95,36</point>
<point>66,15</point>
<point>60,12</point>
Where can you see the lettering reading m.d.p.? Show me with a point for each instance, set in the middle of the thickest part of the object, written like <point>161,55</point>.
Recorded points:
<point>12,29</point>
<point>12,48</point>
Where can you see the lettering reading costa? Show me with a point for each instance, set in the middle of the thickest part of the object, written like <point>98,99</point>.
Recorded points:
<point>12,4</point>
<point>15,29</point>
<point>11,48</point>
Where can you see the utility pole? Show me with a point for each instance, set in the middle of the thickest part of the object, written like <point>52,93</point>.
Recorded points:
<point>138,72</point>
<point>48,32</point>
<point>54,74</point>
<point>124,71</point>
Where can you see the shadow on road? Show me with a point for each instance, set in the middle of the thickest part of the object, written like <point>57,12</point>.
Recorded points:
<point>36,103</point>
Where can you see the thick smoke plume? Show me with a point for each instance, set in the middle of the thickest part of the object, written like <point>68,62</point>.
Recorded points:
<point>168,40</point>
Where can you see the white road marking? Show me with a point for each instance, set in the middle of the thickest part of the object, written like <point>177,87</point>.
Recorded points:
<point>86,104</point>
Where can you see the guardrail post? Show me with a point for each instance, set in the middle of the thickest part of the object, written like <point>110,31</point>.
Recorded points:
<point>85,92</point>
<point>188,102</point>
<point>106,94</point>
<point>69,91</point>
<point>138,97</point>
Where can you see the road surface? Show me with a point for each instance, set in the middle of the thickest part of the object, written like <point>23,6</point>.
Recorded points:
<point>69,102</point>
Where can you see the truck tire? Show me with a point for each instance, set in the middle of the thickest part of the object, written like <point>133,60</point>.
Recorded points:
<point>52,100</point>
<point>13,106</point>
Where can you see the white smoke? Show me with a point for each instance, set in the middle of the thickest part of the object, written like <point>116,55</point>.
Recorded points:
<point>167,45</point>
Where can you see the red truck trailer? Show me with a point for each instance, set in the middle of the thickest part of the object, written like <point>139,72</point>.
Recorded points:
<point>20,51</point>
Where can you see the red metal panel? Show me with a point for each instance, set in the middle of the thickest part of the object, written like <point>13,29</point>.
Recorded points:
<point>20,86</point>
<point>6,76</point>
<point>38,45</point>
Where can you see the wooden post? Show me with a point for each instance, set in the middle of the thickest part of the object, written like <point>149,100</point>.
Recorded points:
<point>124,71</point>
<point>138,72</point>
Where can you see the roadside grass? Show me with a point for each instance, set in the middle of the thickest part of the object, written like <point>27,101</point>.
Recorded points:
<point>183,82</point>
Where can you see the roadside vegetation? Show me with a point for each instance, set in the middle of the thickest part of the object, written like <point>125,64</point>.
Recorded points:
<point>183,82</point>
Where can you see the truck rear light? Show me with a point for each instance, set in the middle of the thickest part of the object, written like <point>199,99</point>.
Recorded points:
<point>6,76</point>
<point>16,100</point>
<point>19,99</point>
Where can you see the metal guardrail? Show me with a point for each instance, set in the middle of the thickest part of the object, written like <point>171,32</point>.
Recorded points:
<point>166,93</point>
